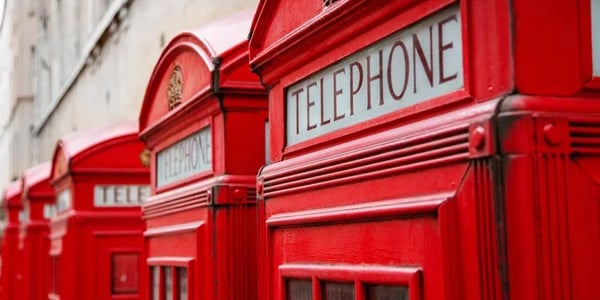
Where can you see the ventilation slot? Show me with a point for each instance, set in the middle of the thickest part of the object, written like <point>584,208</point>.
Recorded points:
<point>374,161</point>
<point>585,136</point>
<point>251,194</point>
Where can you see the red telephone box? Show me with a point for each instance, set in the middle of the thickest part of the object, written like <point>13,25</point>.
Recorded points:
<point>38,204</point>
<point>96,240</point>
<point>11,200</point>
<point>405,163</point>
<point>203,119</point>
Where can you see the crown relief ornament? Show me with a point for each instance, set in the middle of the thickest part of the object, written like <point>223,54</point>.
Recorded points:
<point>175,87</point>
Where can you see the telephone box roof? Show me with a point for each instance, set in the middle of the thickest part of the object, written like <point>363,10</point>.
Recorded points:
<point>37,178</point>
<point>199,62</point>
<point>12,193</point>
<point>78,146</point>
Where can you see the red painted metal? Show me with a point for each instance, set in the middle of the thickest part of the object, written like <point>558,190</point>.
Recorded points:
<point>560,69</point>
<point>480,193</point>
<point>552,191</point>
<point>203,222</point>
<point>11,201</point>
<point>99,181</point>
<point>37,198</point>
<point>297,53</point>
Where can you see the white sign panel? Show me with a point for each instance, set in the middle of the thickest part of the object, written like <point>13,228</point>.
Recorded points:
<point>120,195</point>
<point>267,143</point>
<point>63,200</point>
<point>49,211</point>
<point>595,7</point>
<point>189,156</point>
<point>24,214</point>
<point>408,67</point>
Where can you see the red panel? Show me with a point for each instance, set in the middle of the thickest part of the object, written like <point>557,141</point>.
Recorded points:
<point>117,257</point>
<point>125,273</point>
<point>551,197</point>
<point>281,18</point>
<point>543,65</point>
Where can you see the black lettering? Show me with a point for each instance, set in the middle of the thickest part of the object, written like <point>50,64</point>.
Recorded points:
<point>443,47</point>
<point>323,120</point>
<point>296,93</point>
<point>406,70</point>
<point>309,103</point>
<point>207,155</point>
<point>195,150</point>
<point>418,49</point>
<point>355,65</point>
<point>378,76</point>
<point>336,93</point>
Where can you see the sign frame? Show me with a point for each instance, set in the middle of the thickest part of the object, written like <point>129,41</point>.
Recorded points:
<point>205,133</point>
<point>339,105</point>
<point>120,195</point>
<point>466,94</point>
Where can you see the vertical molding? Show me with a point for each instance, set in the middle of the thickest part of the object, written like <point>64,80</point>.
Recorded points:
<point>552,227</point>
<point>236,244</point>
<point>470,236</point>
<point>487,239</point>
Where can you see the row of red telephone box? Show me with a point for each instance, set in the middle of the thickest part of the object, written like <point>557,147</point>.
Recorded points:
<point>430,149</point>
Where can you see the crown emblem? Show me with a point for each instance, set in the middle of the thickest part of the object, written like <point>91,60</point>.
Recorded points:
<point>175,88</point>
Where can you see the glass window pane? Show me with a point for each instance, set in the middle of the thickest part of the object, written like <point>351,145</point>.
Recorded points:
<point>299,289</point>
<point>183,283</point>
<point>386,292</point>
<point>338,291</point>
<point>155,283</point>
<point>168,276</point>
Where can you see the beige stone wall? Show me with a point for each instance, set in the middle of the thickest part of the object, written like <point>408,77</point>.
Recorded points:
<point>17,37</point>
<point>16,89</point>
<point>111,85</point>
<point>6,92</point>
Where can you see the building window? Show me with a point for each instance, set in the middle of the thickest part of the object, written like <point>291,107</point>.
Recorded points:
<point>299,289</point>
<point>182,281</point>
<point>338,291</point>
<point>169,283</point>
<point>383,292</point>
<point>350,282</point>
<point>125,276</point>
<point>168,276</point>
<point>155,284</point>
